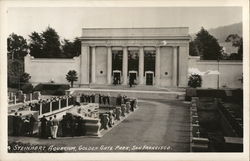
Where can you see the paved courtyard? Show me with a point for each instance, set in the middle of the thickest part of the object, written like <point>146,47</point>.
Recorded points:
<point>158,125</point>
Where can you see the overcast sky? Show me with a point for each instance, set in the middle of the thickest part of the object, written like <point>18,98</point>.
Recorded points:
<point>69,21</point>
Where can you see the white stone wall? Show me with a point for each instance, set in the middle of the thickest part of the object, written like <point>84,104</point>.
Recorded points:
<point>183,65</point>
<point>166,66</point>
<point>230,72</point>
<point>43,70</point>
<point>101,65</point>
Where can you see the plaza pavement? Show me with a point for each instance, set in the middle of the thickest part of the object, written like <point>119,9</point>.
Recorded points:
<point>158,123</point>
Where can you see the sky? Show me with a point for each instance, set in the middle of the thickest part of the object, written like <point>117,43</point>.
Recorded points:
<point>68,22</point>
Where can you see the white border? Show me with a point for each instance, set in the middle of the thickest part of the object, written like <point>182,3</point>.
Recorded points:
<point>120,156</point>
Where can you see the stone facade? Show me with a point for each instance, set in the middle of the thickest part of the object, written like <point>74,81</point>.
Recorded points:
<point>170,45</point>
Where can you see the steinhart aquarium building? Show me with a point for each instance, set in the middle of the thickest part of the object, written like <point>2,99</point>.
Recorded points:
<point>141,56</point>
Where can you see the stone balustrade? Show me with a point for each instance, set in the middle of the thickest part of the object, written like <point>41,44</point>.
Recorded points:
<point>20,97</point>
<point>198,143</point>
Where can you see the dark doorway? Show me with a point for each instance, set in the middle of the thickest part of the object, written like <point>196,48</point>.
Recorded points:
<point>149,79</point>
<point>132,78</point>
<point>117,78</point>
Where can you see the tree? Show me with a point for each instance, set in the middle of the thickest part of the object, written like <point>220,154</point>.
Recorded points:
<point>237,41</point>
<point>17,47</point>
<point>71,49</point>
<point>77,47</point>
<point>208,47</point>
<point>193,50</point>
<point>36,45</point>
<point>71,77</point>
<point>25,77</point>
<point>51,47</point>
<point>194,81</point>
<point>15,70</point>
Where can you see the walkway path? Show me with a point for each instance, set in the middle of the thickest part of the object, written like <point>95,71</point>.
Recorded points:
<point>162,124</point>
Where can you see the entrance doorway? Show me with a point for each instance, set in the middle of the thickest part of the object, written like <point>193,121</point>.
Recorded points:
<point>149,78</point>
<point>132,77</point>
<point>116,77</point>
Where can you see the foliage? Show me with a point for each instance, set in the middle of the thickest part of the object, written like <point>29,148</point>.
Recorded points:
<point>208,46</point>
<point>236,41</point>
<point>194,81</point>
<point>17,47</point>
<point>25,77</point>
<point>193,50</point>
<point>47,45</point>
<point>71,77</point>
<point>71,49</point>
<point>36,45</point>
<point>51,89</point>
<point>51,43</point>
<point>27,88</point>
<point>15,70</point>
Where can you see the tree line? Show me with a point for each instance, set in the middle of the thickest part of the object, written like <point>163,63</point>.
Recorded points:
<point>46,44</point>
<point>207,46</point>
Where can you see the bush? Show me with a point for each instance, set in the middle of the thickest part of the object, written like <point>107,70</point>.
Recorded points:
<point>52,89</point>
<point>27,88</point>
<point>194,81</point>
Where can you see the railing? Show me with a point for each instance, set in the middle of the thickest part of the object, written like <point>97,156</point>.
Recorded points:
<point>20,97</point>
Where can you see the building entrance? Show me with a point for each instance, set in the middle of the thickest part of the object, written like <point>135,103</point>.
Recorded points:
<point>116,77</point>
<point>149,78</point>
<point>132,77</point>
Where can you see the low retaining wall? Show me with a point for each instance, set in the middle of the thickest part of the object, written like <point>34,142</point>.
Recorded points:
<point>198,144</point>
<point>136,94</point>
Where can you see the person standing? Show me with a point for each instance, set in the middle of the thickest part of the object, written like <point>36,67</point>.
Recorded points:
<point>63,122</point>
<point>49,127</point>
<point>108,98</point>
<point>43,126</point>
<point>100,99</point>
<point>15,124</point>
<point>54,128</point>
<point>130,82</point>
<point>20,124</point>
<point>31,124</point>
<point>26,123</point>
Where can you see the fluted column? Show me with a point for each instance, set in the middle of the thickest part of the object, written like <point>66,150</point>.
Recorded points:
<point>93,74</point>
<point>174,75</point>
<point>84,66</point>
<point>141,66</point>
<point>109,63</point>
<point>125,65</point>
<point>157,66</point>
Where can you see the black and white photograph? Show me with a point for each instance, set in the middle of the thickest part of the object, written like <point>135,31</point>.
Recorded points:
<point>125,80</point>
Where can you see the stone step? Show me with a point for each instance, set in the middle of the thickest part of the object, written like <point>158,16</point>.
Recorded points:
<point>132,93</point>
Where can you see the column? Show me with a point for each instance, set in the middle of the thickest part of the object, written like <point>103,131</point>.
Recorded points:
<point>141,66</point>
<point>84,65</point>
<point>59,104</point>
<point>174,67</point>
<point>50,107</point>
<point>41,109</point>
<point>125,65</point>
<point>157,66</point>
<point>109,63</point>
<point>67,101</point>
<point>93,64</point>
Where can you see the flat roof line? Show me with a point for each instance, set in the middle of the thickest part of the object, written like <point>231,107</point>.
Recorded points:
<point>97,28</point>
